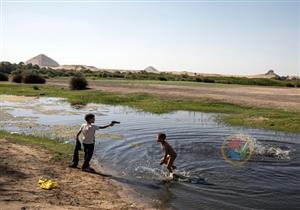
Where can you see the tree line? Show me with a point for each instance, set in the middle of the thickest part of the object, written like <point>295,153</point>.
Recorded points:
<point>19,72</point>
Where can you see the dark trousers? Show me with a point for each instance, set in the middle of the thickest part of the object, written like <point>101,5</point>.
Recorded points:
<point>88,154</point>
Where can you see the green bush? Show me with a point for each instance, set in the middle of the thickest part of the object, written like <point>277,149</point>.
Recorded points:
<point>198,79</point>
<point>162,78</point>
<point>209,80</point>
<point>3,77</point>
<point>32,78</point>
<point>78,83</point>
<point>290,84</point>
<point>35,87</point>
<point>17,78</point>
<point>6,67</point>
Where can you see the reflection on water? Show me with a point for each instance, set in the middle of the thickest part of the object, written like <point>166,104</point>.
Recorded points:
<point>269,180</point>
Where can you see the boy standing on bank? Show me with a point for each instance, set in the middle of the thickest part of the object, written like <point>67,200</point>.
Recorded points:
<point>88,130</point>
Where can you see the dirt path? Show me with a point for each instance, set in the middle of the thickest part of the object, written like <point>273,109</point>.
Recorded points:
<point>22,166</point>
<point>257,96</point>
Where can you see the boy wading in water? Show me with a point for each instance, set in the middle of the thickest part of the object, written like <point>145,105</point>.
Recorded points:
<point>88,130</point>
<point>170,154</point>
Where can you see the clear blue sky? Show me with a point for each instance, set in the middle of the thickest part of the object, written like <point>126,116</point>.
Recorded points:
<point>213,37</point>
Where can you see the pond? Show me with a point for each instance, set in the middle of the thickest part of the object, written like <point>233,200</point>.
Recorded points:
<point>270,179</point>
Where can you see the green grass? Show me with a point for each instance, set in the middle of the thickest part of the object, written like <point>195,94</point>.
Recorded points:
<point>143,82</point>
<point>58,150</point>
<point>273,119</point>
<point>220,82</point>
<point>168,78</point>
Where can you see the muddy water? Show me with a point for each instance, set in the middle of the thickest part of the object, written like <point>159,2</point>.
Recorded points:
<point>269,180</point>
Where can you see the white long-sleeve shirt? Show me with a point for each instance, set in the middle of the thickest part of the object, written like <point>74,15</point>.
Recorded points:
<point>88,131</point>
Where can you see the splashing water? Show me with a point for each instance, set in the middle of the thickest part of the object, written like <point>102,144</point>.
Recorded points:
<point>159,174</point>
<point>151,173</point>
<point>271,151</point>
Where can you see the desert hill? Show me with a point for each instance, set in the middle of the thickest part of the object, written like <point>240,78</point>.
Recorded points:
<point>269,75</point>
<point>151,69</point>
<point>42,61</point>
<point>45,61</point>
<point>77,67</point>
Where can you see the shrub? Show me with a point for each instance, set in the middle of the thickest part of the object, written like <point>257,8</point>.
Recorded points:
<point>17,78</point>
<point>208,80</point>
<point>32,78</point>
<point>6,67</point>
<point>3,77</point>
<point>35,87</point>
<point>78,83</point>
<point>290,84</point>
<point>198,79</point>
<point>162,78</point>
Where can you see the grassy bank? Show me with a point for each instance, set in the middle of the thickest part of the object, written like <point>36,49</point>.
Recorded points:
<point>198,80</point>
<point>58,150</point>
<point>274,119</point>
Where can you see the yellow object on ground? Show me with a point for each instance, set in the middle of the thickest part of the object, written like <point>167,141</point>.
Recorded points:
<point>47,184</point>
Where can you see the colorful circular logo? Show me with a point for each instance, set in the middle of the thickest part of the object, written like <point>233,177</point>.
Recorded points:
<point>237,149</point>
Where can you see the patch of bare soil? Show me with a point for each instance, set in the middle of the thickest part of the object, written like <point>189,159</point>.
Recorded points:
<point>21,167</point>
<point>12,98</point>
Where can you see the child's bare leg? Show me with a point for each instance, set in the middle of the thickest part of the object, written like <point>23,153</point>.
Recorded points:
<point>162,161</point>
<point>170,164</point>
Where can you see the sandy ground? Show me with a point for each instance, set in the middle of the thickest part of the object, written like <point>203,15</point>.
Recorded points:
<point>22,166</point>
<point>12,98</point>
<point>257,96</point>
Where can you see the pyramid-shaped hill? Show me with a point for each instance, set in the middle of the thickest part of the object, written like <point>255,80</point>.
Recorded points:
<point>151,69</point>
<point>42,61</point>
<point>271,74</point>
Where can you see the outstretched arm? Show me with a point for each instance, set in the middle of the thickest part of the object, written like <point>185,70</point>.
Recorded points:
<point>105,126</point>
<point>109,125</point>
